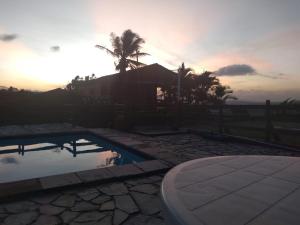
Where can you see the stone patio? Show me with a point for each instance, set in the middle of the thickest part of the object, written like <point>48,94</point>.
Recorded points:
<point>132,201</point>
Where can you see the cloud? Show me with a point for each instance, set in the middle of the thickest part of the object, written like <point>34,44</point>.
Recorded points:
<point>244,69</point>
<point>8,37</point>
<point>55,48</point>
<point>236,70</point>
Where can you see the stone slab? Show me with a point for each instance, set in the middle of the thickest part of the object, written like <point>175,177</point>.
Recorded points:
<point>13,188</point>
<point>126,141</point>
<point>94,175</point>
<point>113,189</point>
<point>21,218</point>
<point>119,217</point>
<point>59,180</point>
<point>65,201</point>
<point>45,219</point>
<point>149,204</point>
<point>152,165</point>
<point>125,170</point>
<point>126,204</point>
<point>21,206</point>
<point>51,210</point>
<point>84,206</point>
<point>148,150</point>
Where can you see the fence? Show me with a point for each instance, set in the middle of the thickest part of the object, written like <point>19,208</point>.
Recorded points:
<point>270,122</point>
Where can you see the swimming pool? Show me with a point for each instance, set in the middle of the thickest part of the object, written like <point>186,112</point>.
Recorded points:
<point>33,157</point>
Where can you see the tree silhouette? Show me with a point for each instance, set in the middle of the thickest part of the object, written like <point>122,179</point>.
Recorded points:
<point>185,78</point>
<point>77,81</point>
<point>223,93</point>
<point>205,84</point>
<point>194,88</point>
<point>125,49</point>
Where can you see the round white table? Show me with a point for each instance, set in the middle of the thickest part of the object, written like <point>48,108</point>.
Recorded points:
<point>233,190</point>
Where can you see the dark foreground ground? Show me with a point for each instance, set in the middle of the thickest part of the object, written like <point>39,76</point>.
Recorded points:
<point>133,201</point>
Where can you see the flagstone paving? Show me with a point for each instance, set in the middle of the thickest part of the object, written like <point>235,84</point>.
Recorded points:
<point>133,201</point>
<point>128,202</point>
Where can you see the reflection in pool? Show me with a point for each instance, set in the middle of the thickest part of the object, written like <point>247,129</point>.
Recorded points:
<point>57,154</point>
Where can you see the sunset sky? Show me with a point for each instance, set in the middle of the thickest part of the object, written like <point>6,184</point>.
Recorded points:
<point>254,46</point>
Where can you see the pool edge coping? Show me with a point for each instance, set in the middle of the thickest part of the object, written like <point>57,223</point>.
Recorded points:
<point>152,165</point>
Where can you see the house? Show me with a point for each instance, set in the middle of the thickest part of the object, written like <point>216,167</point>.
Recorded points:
<point>138,87</point>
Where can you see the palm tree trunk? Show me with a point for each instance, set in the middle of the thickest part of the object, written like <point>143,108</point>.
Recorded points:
<point>123,65</point>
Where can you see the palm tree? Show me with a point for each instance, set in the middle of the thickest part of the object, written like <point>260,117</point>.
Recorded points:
<point>192,88</point>
<point>125,49</point>
<point>204,84</point>
<point>223,93</point>
<point>184,83</point>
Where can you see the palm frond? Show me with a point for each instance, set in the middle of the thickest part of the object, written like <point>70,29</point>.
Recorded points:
<point>138,40</point>
<point>117,65</point>
<point>127,39</point>
<point>106,49</point>
<point>185,72</point>
<point>130,61</point>
<point>134,55</point>
<point>135,44</point>
<point>188,72</point>
<point>116,44</point>
<point>132,66</point>
<point>189,75</point>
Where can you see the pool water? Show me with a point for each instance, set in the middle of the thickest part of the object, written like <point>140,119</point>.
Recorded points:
<point>57,154</point>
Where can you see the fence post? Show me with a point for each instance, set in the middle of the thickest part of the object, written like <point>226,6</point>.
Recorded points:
<point>177,115</point>
<point>268,130</point>
<point>221,119</point>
